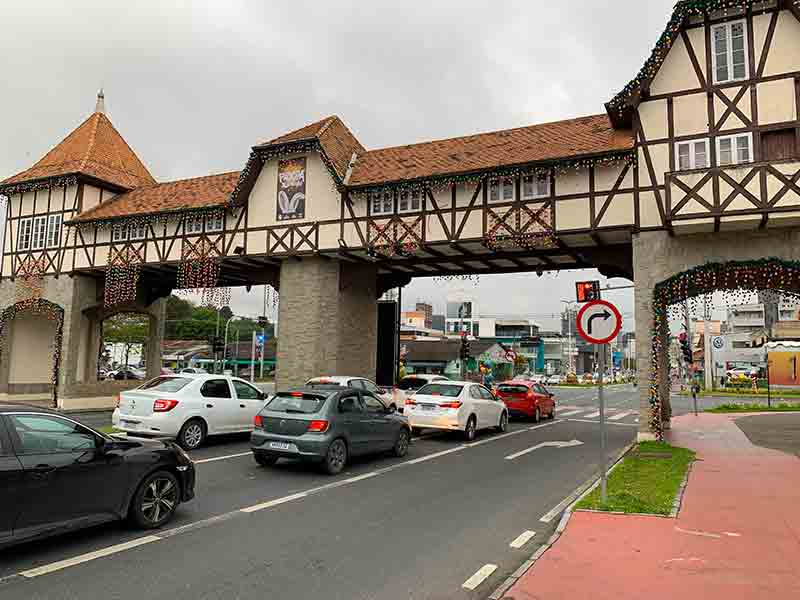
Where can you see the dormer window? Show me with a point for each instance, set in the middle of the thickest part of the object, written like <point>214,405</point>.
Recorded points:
<point>119,233</point>
<point>409,201</point>
<point>123,233</point>
<point>381,203</point>
<point>215,223</point>
<point>730,52</point>
<point>137,232</point>
<point>193,225</point>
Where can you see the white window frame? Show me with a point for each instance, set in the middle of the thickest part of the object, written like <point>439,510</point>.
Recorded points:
<point>735,148</point>
<point>502,184</point>
<point>39,235</point>
<point>193,225</point>
<point>379,200</point>
<point>215,223</point>
<point>728,27</point>
<point>25,234</point>
<point>413,197</point>
<point>137,232</point>
<point>54,231</point>
<point>119,233</point>
<point>536,194</point>
<point>692,155</point>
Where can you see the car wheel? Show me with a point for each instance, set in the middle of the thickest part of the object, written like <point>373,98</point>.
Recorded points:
<point>192,434</point>
<point>502,427</point>
<point>336,457</point>
<point>469,430</point>
<point>401,445</point>
<point>553,413</point>
<point>155,501</point>
<point>265,460</point>
<point>537,416</point>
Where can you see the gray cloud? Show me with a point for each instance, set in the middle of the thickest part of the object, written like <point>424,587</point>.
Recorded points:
<point>192,85</point>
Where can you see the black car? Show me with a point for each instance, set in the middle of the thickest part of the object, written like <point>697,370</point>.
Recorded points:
<point>327,424</point>
<point>58,475</point>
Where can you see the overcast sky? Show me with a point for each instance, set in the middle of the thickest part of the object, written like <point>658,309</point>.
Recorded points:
<point>192,85</point>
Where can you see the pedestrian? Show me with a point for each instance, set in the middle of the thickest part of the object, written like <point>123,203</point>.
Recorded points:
<point>695,390</point>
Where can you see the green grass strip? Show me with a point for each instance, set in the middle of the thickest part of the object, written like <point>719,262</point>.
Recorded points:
<point>646,481</point>
<point>745,408</point>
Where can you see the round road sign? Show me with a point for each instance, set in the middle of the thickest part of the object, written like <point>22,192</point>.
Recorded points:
<point>599,322</point>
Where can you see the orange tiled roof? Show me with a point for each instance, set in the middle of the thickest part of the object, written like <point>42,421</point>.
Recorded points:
<point>549,141</point>
<point>337,141</point>
<point>95,149</point>
<point>184,194</point>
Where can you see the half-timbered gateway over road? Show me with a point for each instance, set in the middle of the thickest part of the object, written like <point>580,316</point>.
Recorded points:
<point>695,162</point>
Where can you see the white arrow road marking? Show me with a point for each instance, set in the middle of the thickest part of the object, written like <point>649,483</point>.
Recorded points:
<point>621,415</point>
<point>545,445</point>
<point>483,573</point>
<point>522,539</point>
<point>593,415</point>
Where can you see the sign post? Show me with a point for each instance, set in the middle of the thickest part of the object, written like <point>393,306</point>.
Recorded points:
<point>599,322</point>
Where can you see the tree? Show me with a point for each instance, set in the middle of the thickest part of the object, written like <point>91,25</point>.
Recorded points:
<point>129,329</point>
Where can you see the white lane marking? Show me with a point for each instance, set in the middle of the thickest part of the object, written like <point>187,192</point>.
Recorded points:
<point>496,437</point>
<point>544,425</point>
<point>422,459</point>
<point>545,445</point>
<point>598,423</point>
<point>522,539</point>
<point>482,575</point>
<point>71,562</point>
<point>698,533</point>
<point>271,503</point>
<point>621,415</point>
<point>216,458</point>
<point>362,477</point>
<point>570,413</point>
<point>593,415</point>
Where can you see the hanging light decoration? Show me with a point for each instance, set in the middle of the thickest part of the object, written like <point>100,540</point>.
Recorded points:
<point>122,275</point>
<point>199,273</point>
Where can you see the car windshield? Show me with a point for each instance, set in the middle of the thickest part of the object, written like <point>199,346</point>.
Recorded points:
<point>411,383</point>
<point>297,403</point>
<point>512,389</point>
<point>447,390</point>
<point>166,384</point>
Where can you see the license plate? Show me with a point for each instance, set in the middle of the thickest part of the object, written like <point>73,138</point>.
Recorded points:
<point>428,407</point>
<point>280,445</point>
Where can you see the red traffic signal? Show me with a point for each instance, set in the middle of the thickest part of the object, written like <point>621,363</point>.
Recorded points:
<point>587,291</point>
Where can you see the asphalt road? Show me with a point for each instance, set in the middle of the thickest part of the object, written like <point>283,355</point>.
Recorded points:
<point>778,431</point>
<point>386,528</point>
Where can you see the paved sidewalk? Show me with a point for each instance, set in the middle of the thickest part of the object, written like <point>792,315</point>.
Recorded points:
<point>737,534</point>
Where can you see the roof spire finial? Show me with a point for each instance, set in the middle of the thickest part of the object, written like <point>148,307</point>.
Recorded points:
<point>100,107</point>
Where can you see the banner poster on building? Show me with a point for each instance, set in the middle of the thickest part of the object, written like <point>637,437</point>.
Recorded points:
<point>291,189</point>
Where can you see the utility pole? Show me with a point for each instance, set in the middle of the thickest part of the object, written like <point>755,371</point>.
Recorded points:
<point>688,326</point>
<point>707,350</point>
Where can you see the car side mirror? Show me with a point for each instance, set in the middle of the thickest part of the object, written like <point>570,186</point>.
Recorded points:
<point>391,410</point>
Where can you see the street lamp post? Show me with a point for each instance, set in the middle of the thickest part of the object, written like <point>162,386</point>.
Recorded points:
<point>569,304</point>
<point>225,346</point>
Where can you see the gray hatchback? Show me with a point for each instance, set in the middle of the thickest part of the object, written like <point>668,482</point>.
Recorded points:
<point>327,425</point>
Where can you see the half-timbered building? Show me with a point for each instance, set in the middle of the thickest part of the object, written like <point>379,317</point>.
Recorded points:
<point>696,159</point>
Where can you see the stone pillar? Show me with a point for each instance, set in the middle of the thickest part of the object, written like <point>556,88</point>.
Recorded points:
<point>158,314</point>
<point>328,320</point>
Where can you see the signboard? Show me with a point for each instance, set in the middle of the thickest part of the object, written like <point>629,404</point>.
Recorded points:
<point>291,189</point>
<point>599,322</point>
<point>718,343</point>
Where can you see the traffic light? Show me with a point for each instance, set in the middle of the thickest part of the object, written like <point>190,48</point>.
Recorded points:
<point>587,291</point>
<point>686,348</point>
<point>217,345</point>
<point>464,354</point>
<point>263,322</point>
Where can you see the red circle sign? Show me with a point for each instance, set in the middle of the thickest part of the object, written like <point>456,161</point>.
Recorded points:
<point>604,311</point>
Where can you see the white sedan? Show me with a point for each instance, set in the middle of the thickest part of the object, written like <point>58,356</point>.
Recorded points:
<point>189,408</point>
<point>456,406</point>
<point>390,397</point>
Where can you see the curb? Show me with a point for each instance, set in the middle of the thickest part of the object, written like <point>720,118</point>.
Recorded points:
<point>576,496</point>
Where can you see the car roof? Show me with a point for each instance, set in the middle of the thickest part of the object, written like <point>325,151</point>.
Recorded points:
<point>337,377</point>
<point>426,376</point>
<point>307,389</point>
<point>6,407</point>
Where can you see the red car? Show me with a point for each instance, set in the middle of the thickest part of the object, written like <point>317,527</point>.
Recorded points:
<point>527,399</point>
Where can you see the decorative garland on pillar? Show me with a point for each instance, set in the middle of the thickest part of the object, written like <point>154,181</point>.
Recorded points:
<point>199,271</point>
<point>122,275</point>
<point>52,312</point>
<point>735,280</point>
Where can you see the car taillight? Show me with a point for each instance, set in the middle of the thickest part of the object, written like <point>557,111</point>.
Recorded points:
<point>258,422</point>
<point>410,402</point>
<point>164,405</point>
<point>451,405</point>
<point>318,427</point>
<point>119,398</point>
<point>530,394</point>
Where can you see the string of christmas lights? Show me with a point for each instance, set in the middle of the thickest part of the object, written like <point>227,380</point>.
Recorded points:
<point>735,281</point>
<point>683,11</point>
<point>199,272</point>
<point>122,275</point>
